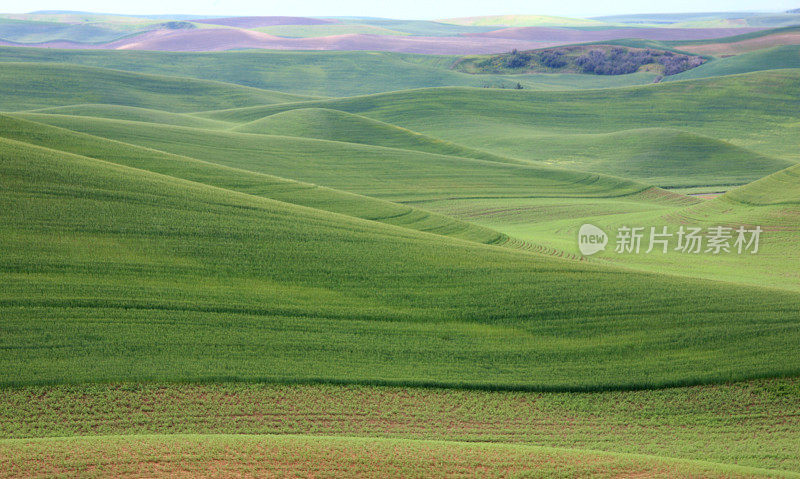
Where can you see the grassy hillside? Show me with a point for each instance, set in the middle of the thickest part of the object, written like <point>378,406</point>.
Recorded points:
<point>337,125</point>
<point>781,188</point>
<point>312,73</point>
<point>235,455</point>
<point>770,59</point>
<point>661,156</point>
<point>760,34</point>
<point>742,37</point>
<point>257,184</point>
<point>756,111</point>
<point>157,278</point>
<point>389,173</point>
<point>28,86</point>
<point>702,422</point>
<point>132,113</point>
<point>201,275</point>
<point>770,203</point>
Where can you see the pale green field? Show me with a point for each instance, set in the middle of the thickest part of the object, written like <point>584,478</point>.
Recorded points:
<point>206,277</point>
<point>773,204</point>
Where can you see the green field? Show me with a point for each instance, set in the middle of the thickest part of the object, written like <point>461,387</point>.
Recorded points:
<point>721,424</point>
<point>48,85</point>
<point>318,455</point>
<point>756,111</point>
<point>383,172</point>
<point>249,264</point>
<point>435,297</point>
<point>787,56</point>
<point>314,73</point>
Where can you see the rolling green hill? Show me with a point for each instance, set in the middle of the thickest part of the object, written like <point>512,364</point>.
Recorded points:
<point>660,156</point>
<point>132,113</point>
<point>779,188</point>
<point>200,274</point>
<point>770,203</point>
<point>328,73</point>
<point>742,37</point>
<point>748,42</point>
<point>341,126</point>
<point>154,277</point>
<point>787,56</point>
<point>756,111</point>
<point>28,86</point>
<point>243,181</point>
<point>389,173</point>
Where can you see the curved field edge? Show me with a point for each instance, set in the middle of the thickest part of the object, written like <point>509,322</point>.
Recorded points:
<point>771,203</point>
<point>28,85</point>
<point>779,188</point>
<point>335,125</point>
<point>738,38</point>
<point>751,110</point>
<point>719,423</point>
<point>369,302</point>
<point>252,183</point>
<point>310,73</point>
<point>132,113</point>
<point>388,173</point>
<point>553,226</point>
<point>362,457</point>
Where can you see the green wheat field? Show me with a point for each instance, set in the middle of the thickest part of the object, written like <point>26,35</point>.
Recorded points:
<point>367,264</point>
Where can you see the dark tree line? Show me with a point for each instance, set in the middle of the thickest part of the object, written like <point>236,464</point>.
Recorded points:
<point>615,61</point>
<point>619,61</point>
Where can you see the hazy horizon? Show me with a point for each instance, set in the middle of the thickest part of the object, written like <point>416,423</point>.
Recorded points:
<point>362,8</point>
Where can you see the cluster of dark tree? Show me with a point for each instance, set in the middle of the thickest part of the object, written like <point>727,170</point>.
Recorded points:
<point>517,59</point>
<point>619,61</point>
<point>548,58</point>
<point>503,86</point>
<point>615,61</point>
<point>176,25</point>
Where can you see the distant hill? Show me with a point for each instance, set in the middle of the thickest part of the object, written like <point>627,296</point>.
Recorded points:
<point>337,125</point>
<point>39,85</point>
<point>782,187</point>
<point>455,36</point>
<point>787,56</point>
<point>523,21</point>
<point>255,22</point>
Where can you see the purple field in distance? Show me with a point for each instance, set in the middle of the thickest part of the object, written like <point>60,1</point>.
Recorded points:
<point>502,40</point>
